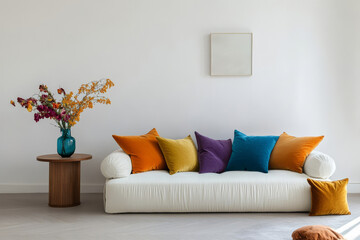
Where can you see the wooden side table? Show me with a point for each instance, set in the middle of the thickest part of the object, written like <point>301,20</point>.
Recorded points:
<point>64,178</point>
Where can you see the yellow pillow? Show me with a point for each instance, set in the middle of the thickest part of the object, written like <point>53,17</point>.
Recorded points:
<point>180,155</point>
<point>290,152</point>
<point>329,198</point>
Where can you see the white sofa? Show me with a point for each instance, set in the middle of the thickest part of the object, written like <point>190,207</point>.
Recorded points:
<point>235,191</point>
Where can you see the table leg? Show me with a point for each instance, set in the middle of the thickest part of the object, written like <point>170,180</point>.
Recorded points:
<point>64,184</point>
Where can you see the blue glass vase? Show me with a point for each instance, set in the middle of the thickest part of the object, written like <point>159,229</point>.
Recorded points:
<point>66,143</point>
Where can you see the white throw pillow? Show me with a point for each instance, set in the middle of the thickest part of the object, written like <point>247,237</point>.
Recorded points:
<point>319,165</point>
<point>116,165</point>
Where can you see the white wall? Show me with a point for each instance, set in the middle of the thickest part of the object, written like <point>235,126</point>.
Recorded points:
<point>305,76</point>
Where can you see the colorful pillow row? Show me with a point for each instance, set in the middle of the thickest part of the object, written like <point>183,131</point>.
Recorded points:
<point>252,153</point>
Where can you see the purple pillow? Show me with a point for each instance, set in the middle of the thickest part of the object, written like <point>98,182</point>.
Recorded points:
<point>213,154</point>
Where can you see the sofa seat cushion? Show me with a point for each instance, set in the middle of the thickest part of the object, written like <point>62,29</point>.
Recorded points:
<point>235,191</point>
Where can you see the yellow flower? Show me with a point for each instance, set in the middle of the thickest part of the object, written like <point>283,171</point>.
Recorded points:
<point>29,107</point>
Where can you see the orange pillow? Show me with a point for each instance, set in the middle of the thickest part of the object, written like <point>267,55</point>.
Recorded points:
<point>329,198</point>
<point>290,152</point>
<point>144,151</point>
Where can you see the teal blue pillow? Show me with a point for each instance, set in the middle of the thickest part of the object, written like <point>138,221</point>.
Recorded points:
<point>251,153</point>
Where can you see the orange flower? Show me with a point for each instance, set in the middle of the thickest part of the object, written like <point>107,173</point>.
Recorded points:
<point>12,103</point>
<point>29,106</point>
<point>56,105</point>
<point>90,105</point>
<point>86,97</point>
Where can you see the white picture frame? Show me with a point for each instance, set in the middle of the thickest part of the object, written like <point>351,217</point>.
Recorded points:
<point>231,54</point>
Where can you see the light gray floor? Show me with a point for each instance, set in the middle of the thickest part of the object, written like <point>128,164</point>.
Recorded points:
<point>27,216</point>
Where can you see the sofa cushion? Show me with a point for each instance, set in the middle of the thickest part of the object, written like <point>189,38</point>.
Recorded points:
<point>116,165</point>
<point>251,153</point>
<point>144,151</point>
<point>290,152</point>
<point>234,191</point>
<point>329,198</point>
<point>213,154</point>
<point>180,154</point>
<point>319,165</point>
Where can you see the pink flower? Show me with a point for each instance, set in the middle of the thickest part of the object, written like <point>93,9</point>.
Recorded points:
<point>37,117</point>
<point>22,101</point>
<point>43,88</point>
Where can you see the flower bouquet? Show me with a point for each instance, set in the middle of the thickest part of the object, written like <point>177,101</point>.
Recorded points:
<point>65,112</point>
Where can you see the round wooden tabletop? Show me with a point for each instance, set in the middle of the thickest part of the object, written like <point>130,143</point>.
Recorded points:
<point>76,157</point>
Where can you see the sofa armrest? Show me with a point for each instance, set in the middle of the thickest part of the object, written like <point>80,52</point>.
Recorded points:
<point>116,165</point>
<point>319,165</point>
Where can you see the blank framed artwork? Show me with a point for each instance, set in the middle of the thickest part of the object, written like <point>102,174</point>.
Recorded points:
<point>231,54</point>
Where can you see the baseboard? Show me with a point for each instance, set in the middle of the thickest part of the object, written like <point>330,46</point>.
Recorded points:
<point>353,188</point>
<point>44,188</point>
<point>93,188</point>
